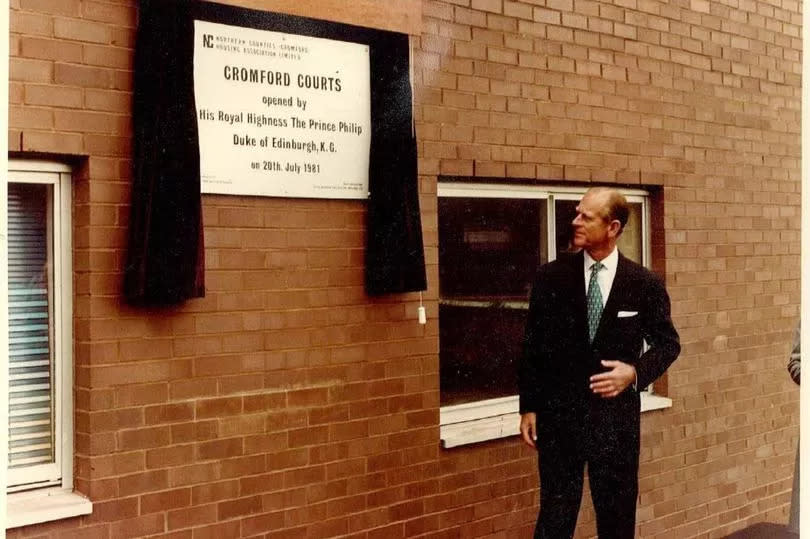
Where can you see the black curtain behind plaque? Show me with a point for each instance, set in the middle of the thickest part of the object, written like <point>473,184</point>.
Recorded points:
<point>165,257</point>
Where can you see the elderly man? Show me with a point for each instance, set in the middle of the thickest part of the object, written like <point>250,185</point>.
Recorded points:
<point>583,364</point>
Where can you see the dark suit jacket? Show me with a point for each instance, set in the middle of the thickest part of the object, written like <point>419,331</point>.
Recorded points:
<point>558,360</point>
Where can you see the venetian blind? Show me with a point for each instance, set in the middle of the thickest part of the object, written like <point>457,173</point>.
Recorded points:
<point>31,425</point>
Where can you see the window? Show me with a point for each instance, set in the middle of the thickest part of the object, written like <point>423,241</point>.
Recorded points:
<point>492,238</point>
<point>40,343</point>
<point>489,248</point>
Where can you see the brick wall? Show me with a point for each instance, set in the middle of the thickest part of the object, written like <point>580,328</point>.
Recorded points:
<point>288,403</point>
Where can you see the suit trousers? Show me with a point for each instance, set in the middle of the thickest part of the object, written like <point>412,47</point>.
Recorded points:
<point>610,448</point>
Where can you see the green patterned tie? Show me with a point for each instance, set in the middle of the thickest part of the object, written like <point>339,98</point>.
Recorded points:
<point>594,301</point>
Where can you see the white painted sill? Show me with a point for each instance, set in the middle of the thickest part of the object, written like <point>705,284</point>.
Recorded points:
<point>44,505</point>
<point>499,418</point>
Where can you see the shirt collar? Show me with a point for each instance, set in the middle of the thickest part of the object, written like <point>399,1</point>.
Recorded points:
<point>609,262</point>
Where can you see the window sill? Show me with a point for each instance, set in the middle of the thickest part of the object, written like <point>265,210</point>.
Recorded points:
<point>44,505</point>
<point>499,418</point>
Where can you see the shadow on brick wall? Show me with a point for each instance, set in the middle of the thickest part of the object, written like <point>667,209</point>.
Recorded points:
<point>764,530</point>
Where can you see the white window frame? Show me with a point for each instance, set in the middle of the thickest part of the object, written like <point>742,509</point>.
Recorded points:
<point>50,496</point>
<point>4,146</point>
<point>490,419</point>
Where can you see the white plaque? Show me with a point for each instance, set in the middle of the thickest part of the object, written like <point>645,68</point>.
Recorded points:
<point>281,114</point>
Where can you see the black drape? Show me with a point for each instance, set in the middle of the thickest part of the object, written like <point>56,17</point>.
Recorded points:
<point>165,257</point>
<point>395,260</point>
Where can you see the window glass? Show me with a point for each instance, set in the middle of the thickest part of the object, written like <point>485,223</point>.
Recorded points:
<point>631,241</point>
<point>489,251</point>
<point>30,293</point>
<point>564,213</point>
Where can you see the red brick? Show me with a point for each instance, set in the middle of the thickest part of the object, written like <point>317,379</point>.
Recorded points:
<point>55,7</point>
<point>191,388</point>
<point>494,6</point>
<point>218,407</point>
<point>262,483</point>
<point>239,507</point>
<point>193,474</point>
<point>123,37</point>
<point>349,430</point>
<point>107,100</point>
<point>143,438</point>
<point>30,24</point>
<point>191,516</point>
<point>107,145</point>
<point>116,464</point>
<point>50,142</point>
<point>82,76</point>
<point>78,30</point>
<point>217,531</point>
<point>109,511</point>
<point>30,117</point>
<point>307,397</point>
<point>265,402</point>
<point>138,395</point>
<point>215,492</point>
<point>262,523</point>
<point>15,92</point>
<point>139,527</point>
<point>265,443</point>
<point>50,49</point>
<point>142,482</point>
<point>194,432</point>
<point>239,467</point>
<point>154,371</point>
<point>86,122</point>
<point>169,413</point>
<point>220,449</point>
<point>245,425</point>
<point>88,532</point>
<point>166,500</point>
<point>121,15</point>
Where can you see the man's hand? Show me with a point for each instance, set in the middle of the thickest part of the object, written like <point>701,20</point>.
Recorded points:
<point>611,383</point>
<point>528,428</point>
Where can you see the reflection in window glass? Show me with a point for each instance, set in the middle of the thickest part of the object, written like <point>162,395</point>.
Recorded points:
<point>564,213</point>
<point>489,251</point>
<point>630,242</point>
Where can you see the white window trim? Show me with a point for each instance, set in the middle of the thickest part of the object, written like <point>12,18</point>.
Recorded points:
<point>481,421</point>
<point>491,419</point>
<point>45,505</point>
<point>47,502</point>
<point>4,146</point>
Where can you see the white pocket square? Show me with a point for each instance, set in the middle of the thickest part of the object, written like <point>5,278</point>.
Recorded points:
<point>626,314</point>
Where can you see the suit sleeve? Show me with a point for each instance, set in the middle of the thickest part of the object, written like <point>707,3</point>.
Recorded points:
<point>795,359</point>
<point>531,361</point>
<point>660,334</point>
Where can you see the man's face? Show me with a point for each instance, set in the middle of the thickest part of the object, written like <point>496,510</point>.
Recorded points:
<point>591,230</point>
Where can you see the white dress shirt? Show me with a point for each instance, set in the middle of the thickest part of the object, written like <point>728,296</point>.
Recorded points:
<point>605,276</point>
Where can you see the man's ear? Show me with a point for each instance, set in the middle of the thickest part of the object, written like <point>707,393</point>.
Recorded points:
<point>615,228</point>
